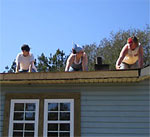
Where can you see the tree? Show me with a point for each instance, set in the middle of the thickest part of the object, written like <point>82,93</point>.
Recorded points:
<point>11,69</point>
<point>53,63</point>
<point>91,51</point>
<point>43,64</point>
<point>58,61</point>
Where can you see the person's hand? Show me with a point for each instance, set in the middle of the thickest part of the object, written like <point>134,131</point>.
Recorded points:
<point>117,67</point>
<point>29,71</point>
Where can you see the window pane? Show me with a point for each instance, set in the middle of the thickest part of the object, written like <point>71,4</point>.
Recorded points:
<point>19,107</point>
<point>30,116</point>
<point>30,107</point>
<point>64,134</point>
<point>18,126</point>
<point>29,127</point>
<point>29,134</point>
<point>64,116</point>
<point>52,127</point>
<point>53,116</point>
<point>18,116</point>
<point>52,106</point>
<point>52,134</point>
<point>64,127</point>
<point>64,106</point>
<point>17,134</point>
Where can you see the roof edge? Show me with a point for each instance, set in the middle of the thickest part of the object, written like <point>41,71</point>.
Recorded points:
<point>77,81</point>
<point>69,75</point>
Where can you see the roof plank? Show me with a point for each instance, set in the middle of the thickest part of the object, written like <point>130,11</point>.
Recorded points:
<point>69,75</point>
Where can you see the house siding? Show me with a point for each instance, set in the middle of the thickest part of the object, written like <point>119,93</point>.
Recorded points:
<point>107,110</point>
<point>2,100</point>
<point>116,111</point>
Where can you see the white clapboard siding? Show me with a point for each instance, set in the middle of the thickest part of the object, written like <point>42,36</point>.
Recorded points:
<point>2,100</point>
<point>113,111</point>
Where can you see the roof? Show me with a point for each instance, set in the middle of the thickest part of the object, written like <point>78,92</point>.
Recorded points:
<point>113,76</point>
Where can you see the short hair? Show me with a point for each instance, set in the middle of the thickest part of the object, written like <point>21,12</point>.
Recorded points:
<point>25,47</point>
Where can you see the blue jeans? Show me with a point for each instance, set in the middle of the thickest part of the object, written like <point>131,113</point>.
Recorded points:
<point>22,71</point>
<point>71,69</point>
<point>129,66</point>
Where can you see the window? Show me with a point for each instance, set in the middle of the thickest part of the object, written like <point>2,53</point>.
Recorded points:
<point>24,118</point>
<point>42,115</point>
<point>59,118</point>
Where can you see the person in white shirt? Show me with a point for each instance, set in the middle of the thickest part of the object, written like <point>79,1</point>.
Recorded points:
<point>131,56</point>
<point>25,60</point>
<point>77,60</point>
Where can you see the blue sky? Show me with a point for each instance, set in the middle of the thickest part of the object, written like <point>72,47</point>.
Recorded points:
<point>47,25</point>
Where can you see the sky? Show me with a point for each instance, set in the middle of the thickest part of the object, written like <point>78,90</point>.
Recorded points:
<point>46,25</point>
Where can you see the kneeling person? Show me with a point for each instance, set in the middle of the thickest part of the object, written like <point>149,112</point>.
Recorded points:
<point>77,60</point>
<point>131,56</point>
<point>25,60</point>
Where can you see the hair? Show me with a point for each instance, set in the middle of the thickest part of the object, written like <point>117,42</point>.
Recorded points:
<point>135,39</point>
<point>25,47</point>
<point>74,51</point>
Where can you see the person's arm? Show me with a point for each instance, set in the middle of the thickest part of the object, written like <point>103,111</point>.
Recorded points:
<point>69,62</point>
<point>17,67</point>
<point>32,66</point>
<point>140,61</point>
<point>17,63</point>
<point>85,62</point>
<point>123,52</point>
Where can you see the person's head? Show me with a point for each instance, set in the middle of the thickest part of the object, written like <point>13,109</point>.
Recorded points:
<point>77,49</point>
<point>25,49</point>
<point>133,42</point>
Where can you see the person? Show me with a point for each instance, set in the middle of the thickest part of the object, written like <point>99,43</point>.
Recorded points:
<point>131,55</point>
<point>77,60</point>
<point>25,60</point>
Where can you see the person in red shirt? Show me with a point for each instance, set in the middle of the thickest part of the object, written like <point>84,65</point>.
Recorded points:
<point>131,55</point>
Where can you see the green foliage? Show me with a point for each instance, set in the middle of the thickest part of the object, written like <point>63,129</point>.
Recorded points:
<point>11,69</point>
<point>52,63</point>
<point>91,51</point>
<point>43,64</point>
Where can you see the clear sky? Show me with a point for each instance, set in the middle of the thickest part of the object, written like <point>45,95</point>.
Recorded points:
<point>47,25</point>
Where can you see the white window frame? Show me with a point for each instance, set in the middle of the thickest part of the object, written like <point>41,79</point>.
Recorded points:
<point>71,101</point>
<point>11,121</point>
